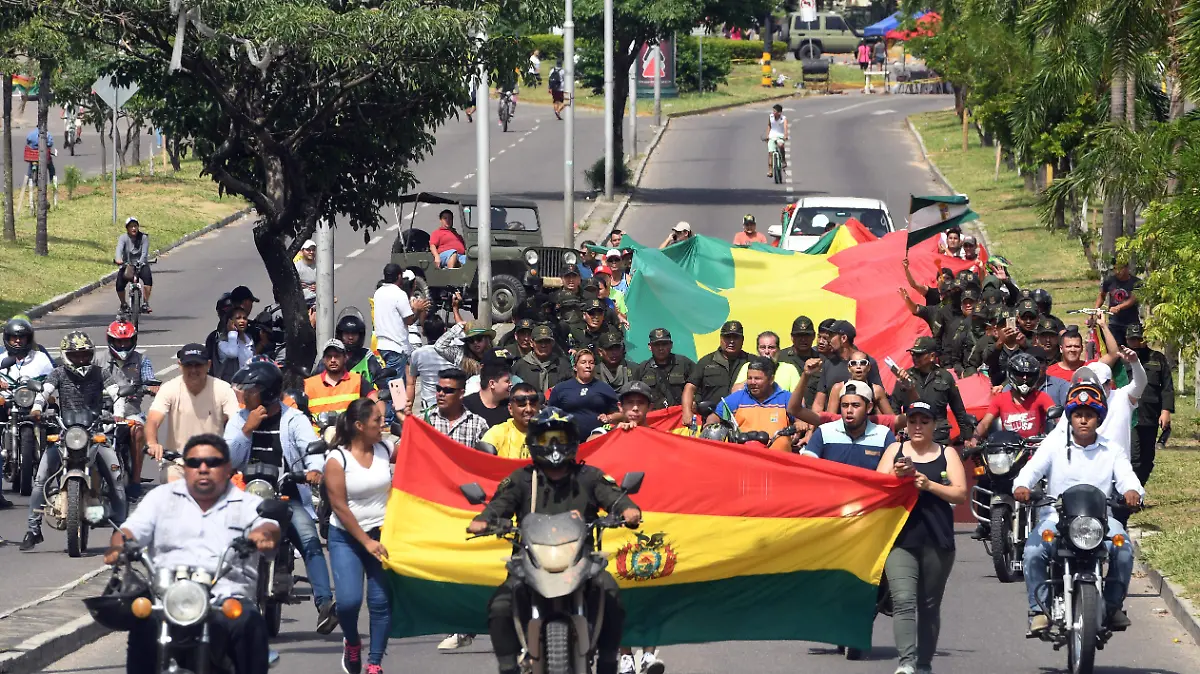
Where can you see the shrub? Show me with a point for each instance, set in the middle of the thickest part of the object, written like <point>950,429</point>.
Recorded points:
<point>551,47</point>
<point>717,64</point>
<point>595,175</point>
<point>746,50</point>
<point>71,180</point>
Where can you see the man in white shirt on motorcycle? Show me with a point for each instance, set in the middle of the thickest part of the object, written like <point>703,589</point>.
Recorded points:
<point>26,362</point>
<point>777,132</point>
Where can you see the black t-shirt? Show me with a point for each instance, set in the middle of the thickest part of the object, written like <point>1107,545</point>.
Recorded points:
<point>1119,291</point>
<point>266,447</point>
<point>835,369</point>
<point>492,416</point>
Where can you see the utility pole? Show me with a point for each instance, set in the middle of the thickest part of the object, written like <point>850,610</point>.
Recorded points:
<point>633,108</point>
<point>324,282</point>
<point>610,158</point>
<point>658,68</point>
<point>700,70</point>
<point>483,205</point>
<point>569,144</point>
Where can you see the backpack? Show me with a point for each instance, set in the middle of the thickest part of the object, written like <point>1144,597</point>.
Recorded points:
<point>556,79</point>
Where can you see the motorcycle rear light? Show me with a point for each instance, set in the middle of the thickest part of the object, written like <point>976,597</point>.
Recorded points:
<point>1118,540</point>
<point>979,471</point>
<point>141,608</point>
<point>1048,535</point>
<point>231,608</point>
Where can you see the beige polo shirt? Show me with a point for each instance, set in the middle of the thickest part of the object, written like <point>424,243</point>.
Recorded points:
<point>189,415</point>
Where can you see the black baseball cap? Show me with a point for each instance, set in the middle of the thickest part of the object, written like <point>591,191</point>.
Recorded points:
<point>542,333</point>
<point>636,388</point>
<point>1028,307</point>
<point>923,345</point>
<point>610,339</point>
<point>595,305</point>
<point>659,335</point>
<point>732,328</point>
<point>827,325</point>
<point>241,294</point>
<point>1047,326</point>
<point>803,325</point>
<point>919,407</point>
<point>845,328</point>
<point>392,272</point>
<point>523,324</point>
<point>192,354</point>
<point>1135,330</point>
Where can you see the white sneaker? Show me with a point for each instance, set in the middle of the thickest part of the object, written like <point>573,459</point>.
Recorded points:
<point>626,665</point>
<point>651,664</point>
<point>905,669</point>
<point>455,642</point>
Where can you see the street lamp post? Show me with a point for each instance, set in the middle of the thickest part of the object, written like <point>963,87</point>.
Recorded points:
<point>483,206</point>
<point>609,150</point>
<point>633,108</point>
<point>569,141</point>
<point>325,251</point>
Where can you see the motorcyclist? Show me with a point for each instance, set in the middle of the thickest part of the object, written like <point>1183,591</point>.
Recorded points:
<point>27,362</point>
<point>1022,409</point>
<point>564,485</point>
<point>191,522</point>
<point>1045,303</point>
<point>77,385</point>
<point>275,434</point>
<point>31,143</point>
<point>359,358</point>
<point>1087,457</point>
<point>122,355</point>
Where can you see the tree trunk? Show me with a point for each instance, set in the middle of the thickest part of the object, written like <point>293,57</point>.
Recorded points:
<point>117,144</point>
<point>174,152</point>
<point>1113,220</point>
<point>135,136</point>
<point>622,59</point>
<point>301,337</point>
<point>42,244</point>
<point>10,220</point>
<point>103,148</point>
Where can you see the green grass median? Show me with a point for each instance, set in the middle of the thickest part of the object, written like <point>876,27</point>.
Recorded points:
<point>82,237</point>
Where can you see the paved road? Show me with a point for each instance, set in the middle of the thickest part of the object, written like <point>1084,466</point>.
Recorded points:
<point>528,162</point>
<point>87,154</point>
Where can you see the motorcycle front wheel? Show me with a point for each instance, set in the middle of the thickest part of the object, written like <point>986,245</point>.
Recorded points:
<point>77,528</point>
<point>1003,549</point>
<point>1081,649</point>
<point>558,648</point>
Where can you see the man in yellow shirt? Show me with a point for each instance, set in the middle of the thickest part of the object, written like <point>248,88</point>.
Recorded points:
<point>786,374</point>
<point>508,438</point>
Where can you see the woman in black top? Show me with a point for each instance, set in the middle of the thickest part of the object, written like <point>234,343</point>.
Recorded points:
<point>919,564</point>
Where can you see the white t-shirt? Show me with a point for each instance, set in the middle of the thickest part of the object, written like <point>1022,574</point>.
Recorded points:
<point>391,308</point>
<point>35,364</point>
<point>535,65</point>
<point>1116,429</point>
<point>188,415</point>
<point>367,488</point>
<point>776,125</point>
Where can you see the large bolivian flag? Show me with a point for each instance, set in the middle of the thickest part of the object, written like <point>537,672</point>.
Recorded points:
<point>736,543</point>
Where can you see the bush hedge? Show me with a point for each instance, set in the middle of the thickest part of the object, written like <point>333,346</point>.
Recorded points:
<point>717,64</point>
<point>551,46</point>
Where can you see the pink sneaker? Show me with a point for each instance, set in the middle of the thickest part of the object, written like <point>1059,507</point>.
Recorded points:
<point>374,669</point>
<point>352,659</point>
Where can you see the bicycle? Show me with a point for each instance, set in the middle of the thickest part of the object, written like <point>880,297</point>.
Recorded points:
<point>1091,343</point>
<point>135,290</point>
<point>506,109</point>
<point>776,158</point>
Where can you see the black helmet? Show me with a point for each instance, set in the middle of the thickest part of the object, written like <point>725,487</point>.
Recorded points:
<point>114,608</point>
<point>15,329</point>
<point>1023,372</point>
<point>351,324</point>
<point>79,344</point>
<point>265,376</point>
<point>1042,299</point>
<point>552,438</point>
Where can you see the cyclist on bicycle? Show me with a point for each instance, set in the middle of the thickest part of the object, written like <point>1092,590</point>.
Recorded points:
<point>777,132</point>
<point>133,254</point>
<point>31,143</point>
<point>509,88</point>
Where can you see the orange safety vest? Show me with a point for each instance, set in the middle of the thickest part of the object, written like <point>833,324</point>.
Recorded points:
<point>322,397</point>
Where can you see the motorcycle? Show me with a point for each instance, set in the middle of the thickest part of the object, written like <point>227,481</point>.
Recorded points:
<point>20,434</point>
<point>178,599</point>
<point>727,430</point>
<point>276,582</point>
<point>1075,604</point>
<point>555,624</point>
<point>1001,459</point>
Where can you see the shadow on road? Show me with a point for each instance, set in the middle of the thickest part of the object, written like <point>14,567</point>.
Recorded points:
<point>687,196</point>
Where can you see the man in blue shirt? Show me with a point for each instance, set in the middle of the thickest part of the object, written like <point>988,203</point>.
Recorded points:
<point>761,405</point>
<point>853,439</point>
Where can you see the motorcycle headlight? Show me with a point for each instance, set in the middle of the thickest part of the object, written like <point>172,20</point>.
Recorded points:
<point>24,397</point>
<point>261,489</point>
<point>1086,532</point>
<point>554,558</point>
<point>185,603</point>
<point>531,257</point>
<point>76,437</point>
<point>571,258</point>
<point>999,462</point>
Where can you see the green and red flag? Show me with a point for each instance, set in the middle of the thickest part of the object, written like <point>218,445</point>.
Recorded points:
<point>931,215</point>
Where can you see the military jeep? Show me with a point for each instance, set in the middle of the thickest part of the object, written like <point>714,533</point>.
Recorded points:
<point>520,263</point>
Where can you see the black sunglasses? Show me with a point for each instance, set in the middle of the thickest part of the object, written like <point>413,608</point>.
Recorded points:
<point>448,390</point>
<point>210,461</point>
<point>524,401</point>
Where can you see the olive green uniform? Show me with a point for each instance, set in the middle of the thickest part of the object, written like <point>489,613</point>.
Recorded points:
<point>616,377</point>
<point>714,374</point>
<point>790,355</point>
<point>1159,395</point>
<point>543,375</point>
<point>666,380</point>
<point>939,389</point>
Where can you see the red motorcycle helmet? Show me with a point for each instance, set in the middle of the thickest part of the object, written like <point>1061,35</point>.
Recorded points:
<point>122,338</point>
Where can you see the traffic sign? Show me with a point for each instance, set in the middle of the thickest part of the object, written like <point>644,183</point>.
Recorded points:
<point>649,60</point>
<point>114,96</point>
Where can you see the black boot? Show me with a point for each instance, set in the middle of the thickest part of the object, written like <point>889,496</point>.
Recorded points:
<point>31,539</point>
<point>5,504</point>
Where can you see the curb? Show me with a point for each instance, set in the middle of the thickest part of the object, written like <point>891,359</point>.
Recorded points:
<point>1180,607</point>
<point>35,653</point>
<point>65,298</point>
<point>977,225</point>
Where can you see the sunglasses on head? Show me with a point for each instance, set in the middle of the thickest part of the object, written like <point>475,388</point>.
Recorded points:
<point>524,401</point>
<point>210,461</point>
<point>448,390</point>
<point>859,362</point>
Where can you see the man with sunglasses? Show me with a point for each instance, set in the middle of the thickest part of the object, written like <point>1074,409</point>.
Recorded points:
<point>451,417</point>
<point>836,367</point>
<point>191,522</point>
<point>274,434</point>
<point>665,372</point>
<point>587,259</point>
<point>524,402</point>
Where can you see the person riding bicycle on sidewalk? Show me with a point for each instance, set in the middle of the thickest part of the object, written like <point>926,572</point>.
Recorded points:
<point>133,248</point>
<point>777,133</point>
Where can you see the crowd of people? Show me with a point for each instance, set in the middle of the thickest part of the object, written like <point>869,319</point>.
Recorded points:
<point>561,375</point>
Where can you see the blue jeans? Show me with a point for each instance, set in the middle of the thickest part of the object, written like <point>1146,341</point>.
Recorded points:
<point>399,362</point>
<point>350,563</point>
<point>1037,565</point>
<point>445,256</point>
<point>303,533</point>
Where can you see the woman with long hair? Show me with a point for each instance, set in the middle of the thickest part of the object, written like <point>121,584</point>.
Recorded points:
<point>358,479</point>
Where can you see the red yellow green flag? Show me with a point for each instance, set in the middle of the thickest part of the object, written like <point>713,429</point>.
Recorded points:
<point>736,544</point>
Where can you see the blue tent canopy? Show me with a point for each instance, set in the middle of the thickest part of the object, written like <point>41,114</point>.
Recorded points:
<point>891,23</point>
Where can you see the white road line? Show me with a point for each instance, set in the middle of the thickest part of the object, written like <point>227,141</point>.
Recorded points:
<point>807,116</point>
<point>172,368</point>
<point>512,145</point>
<point>455,185</point>
<point>533,129</point>
<point>394,227</point>
<point>848,107</point>
<point>337,266</point>
<point>492,159</point>
<point>790,189</point>
<point>374,241</point>
<point>789,109</point>
<point>424,205</point>
<point>788,174</point>
<point>469,176</point>
<point>502,151</point>
<point>520,140</point>
<point>356,252</point>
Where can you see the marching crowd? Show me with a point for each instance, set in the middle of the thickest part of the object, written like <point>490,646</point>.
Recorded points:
<point>562,372</point>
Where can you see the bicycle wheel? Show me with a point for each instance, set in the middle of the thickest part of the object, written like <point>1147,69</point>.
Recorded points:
<point>135,303</point>
<point>777,165</point>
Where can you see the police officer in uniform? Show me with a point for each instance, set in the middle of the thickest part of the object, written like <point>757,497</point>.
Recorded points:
<point>714,374</point>
<point>801,350</point>
<point>612,367</point>
<point>595,326</point>
<point>961,333</point>
<point>664,372</point>
<point>563,485</point>
<point>1156,404</point>
<point>544,366</point>
<point>936,386</point>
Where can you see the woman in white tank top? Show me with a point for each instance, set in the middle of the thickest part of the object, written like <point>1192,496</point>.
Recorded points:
<point>358,479</point>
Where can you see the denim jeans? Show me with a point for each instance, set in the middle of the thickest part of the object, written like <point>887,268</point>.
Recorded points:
<point>303,534</point>
<point>1037,565</point>
<point>397,361</point>
<point>917,580</point>
<point>52,462</point>
<point>351,562</point>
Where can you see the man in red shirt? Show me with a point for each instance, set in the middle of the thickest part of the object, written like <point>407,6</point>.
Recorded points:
<point>1071,346</point>
<point>446,245</point>
<point>749,233</point>
<point>1021,409</point>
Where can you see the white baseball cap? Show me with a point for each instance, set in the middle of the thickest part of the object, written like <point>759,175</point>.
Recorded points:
<point>682,227</point>
<point>1102,371</point>
<point>408,275</point>
<point>308,244</point>
<point>613,252</point>
<point>858,388</point>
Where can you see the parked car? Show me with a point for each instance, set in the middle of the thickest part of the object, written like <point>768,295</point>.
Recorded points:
<point>813,215</point>
<point>517,251</point>
<point>828,33</point>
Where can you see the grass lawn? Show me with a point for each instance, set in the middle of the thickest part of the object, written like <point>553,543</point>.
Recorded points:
<point>1041,259</point>
<point>82,237</point>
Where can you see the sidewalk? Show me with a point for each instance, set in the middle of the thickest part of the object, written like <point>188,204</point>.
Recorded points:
<point>51,627</point>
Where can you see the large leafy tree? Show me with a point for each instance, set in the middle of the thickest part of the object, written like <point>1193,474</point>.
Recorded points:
<point>309,109</point>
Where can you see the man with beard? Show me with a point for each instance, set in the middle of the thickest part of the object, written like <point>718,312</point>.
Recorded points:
<point>713,375</point>
<point>664,372</point>
<point>1156,404</point>
<point>509,437</point>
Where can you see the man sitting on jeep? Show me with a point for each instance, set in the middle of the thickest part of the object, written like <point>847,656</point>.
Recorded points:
<point>446,244</point>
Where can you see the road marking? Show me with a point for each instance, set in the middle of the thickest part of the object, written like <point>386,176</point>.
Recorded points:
<point>790,189</point>
<point>394,227</point>
<point>469,176</point>
<point>789,109</point>
<point>492,159</point>
<point>455,185</point>
<point>172,368</point>
<point>512,145</point>
<point>789,175</point>
<point>848,107</point>
<point>807,116</point>
<point>337,266</point>
<point>888,111</point>
<point>533,129</point>
<point>356,252</point>
<point>424,205</point>
<point>374,241</point>
<point>502,151</point>
<point>521,139</point>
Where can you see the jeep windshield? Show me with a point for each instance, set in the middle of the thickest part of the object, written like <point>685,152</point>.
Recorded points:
<point>802,224</point>
<point>506,218</point>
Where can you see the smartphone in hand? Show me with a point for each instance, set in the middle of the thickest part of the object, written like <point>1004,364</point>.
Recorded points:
<point>892,365</point>
<point>1011,323</point>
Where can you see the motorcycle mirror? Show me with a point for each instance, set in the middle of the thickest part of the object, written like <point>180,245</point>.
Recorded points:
<point>632,482</point>
<point>1054,413</point>
<point>317,448</point>
<point>8,362</point>
<point>705,409</point>
<point>327,419</point>
<point>474,493</point>
<point>486,447</point>
<point>396,428</point>
<point>128,390</point>
<point>276,510</point>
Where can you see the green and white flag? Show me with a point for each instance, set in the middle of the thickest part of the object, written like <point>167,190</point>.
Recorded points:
<point>932,215</point>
